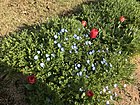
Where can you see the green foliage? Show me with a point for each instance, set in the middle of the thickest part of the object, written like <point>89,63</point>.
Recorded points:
<point>68,63</point>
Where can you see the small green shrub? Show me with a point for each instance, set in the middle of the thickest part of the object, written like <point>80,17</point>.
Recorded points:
<point>68,63</point>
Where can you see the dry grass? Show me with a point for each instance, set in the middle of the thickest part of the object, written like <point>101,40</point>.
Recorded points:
<point>15,13</point>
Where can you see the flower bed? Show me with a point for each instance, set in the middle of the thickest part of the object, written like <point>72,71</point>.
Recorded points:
<point>77,60</point>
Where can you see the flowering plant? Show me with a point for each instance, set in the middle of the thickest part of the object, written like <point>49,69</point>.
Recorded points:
<point>72,62</point>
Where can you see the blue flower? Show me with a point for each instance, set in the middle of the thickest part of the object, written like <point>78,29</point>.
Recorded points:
<point>98,51</point>
<point>55,36</point>
<point>53,55</point>
<point>86,35</point>
<point>35,57</point>
<point>79,29</point>
<point>93,67</point>
<point>120,52</point>
<point>76,68</point>
<point>90,53</point>
<point>78,38</point>
<point>88,61</point>
<point>59,45</point>
<point>63,30</point>
<point>79,74</point>
<point>62,49</point>
<point>93,51</point>
<point>80,89</point>
<point>110,65</point>
<point>78,65</point>
<point>55,42</point>
<point>74,36</point>
<point>47,55</point>
<point>107,103</point>
<point>38,52</point>
<point>70,51</point>
<point>48,59</point>
<point>42,64</point>
<point>66,38</point>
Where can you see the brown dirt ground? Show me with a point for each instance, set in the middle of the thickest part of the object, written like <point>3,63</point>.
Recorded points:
<point>131,94</point>
<point>15,13</point>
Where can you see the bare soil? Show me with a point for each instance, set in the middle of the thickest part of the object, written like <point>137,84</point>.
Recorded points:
<point>16,13</point>
<point>131,94</point>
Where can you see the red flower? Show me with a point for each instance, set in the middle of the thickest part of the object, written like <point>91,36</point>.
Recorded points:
<point>93,33</point>
<point>84,23</point>
<point>122,19</point>
<point>89,93</point>
<point>31,79</point>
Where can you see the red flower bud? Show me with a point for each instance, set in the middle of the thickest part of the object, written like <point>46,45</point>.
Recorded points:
<point>31,79</point>
<point>89,93</point>
<point>122,19</point>
<point>93,33</point>
<point>84,23</point>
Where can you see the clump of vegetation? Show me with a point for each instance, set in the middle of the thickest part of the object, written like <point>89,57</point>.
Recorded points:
<point>77,60</point>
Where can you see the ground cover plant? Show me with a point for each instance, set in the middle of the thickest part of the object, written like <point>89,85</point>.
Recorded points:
<point>80,59</point>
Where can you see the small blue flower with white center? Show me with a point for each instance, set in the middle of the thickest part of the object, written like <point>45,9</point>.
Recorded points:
<point>104,90</point>
<point>72,47</point>
<point>35,57</point>
<point>62,49</point>
<point>74,36</point>
<point>107,87</point>
<point>86,42</point>
<point>98,51</point>
<point>48,59</point>
<point>86,35</point>
<point>42,64</point>
<point>88,61</point>
<point>89,42</point>
<point>59,45</point>
<point>93,51</point>
<point>80,89</point>
<point>111,97</point>
<point>110,65</point>
<point>75,47</point>
<point>78,65</point>
<point>107,102</point>
<point>66,38</point>
<point>38,52</point>
<point>53,55</point>
<point>78,38</point>
<point>47,55</point>
<point>102,62</point>
<point>120,52</point>
<point>103,51</point>
<point>87,76</point>
<point>55,36</point>
<point>93,67</point>
<point>90,53</point>
<point>109,92</point>
<point>79,29</point>
<point>70,51</point>
<point>55,42</point>
<point>115,85</point>
<point>63,30</point>
<point>80,73</point>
